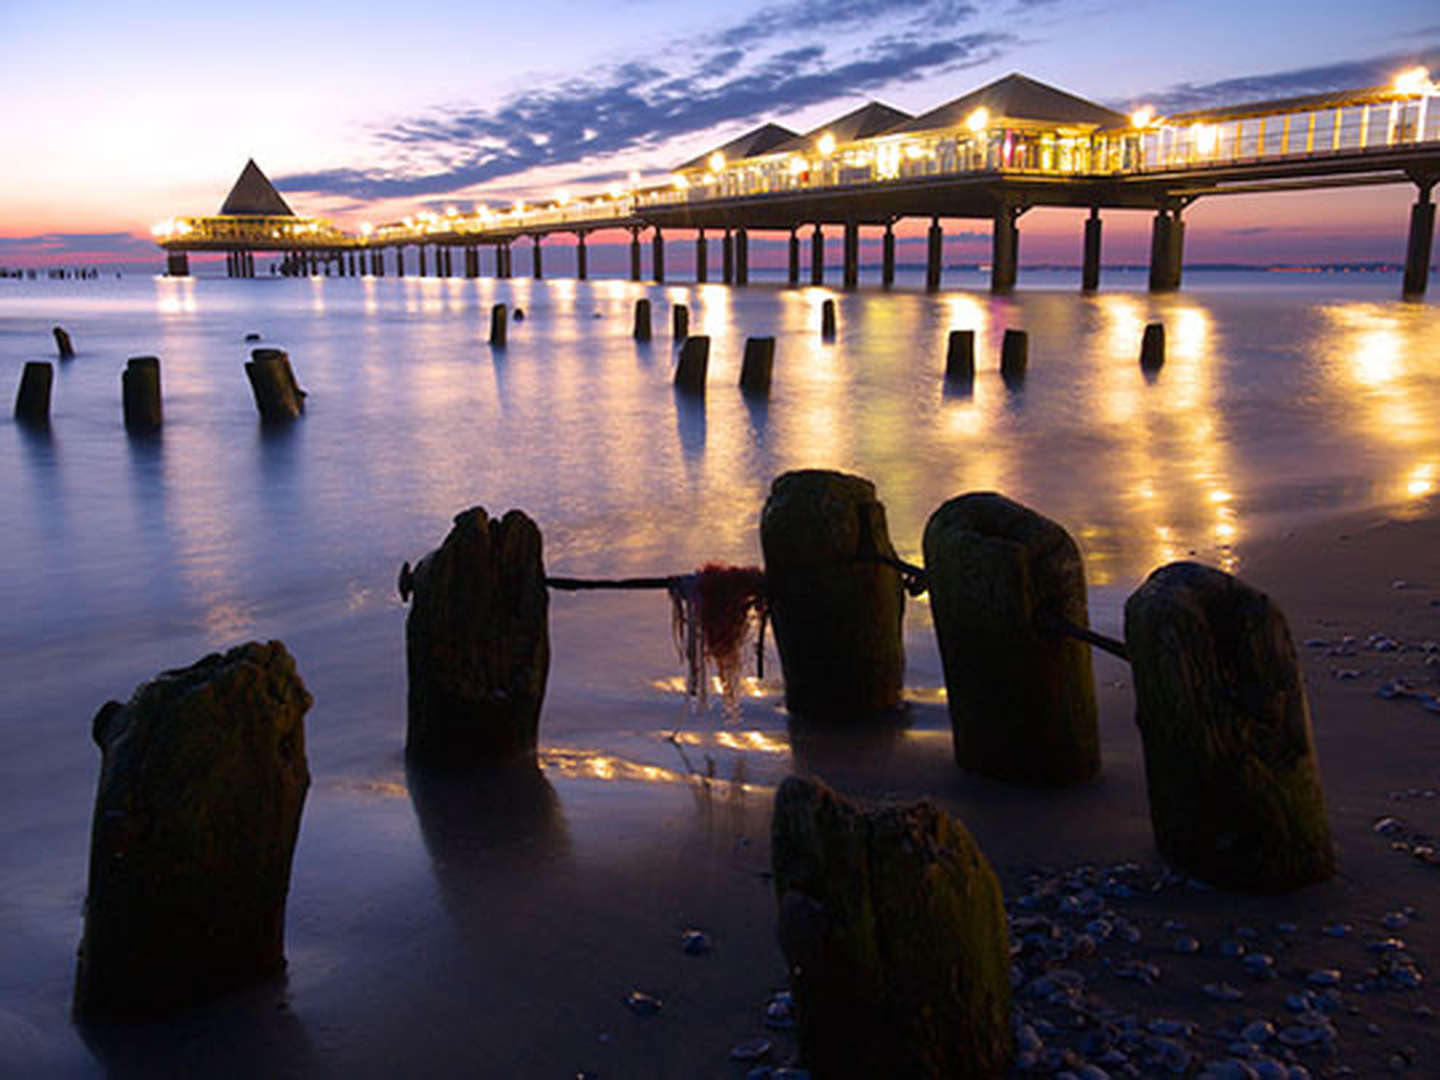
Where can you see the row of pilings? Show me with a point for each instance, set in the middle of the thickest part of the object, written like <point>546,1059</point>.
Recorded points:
<point>891,921</point>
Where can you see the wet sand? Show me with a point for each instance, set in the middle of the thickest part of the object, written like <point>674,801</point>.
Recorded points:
<point>494,928</point>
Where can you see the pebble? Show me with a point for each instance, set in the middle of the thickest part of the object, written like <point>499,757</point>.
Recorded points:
<point>643,1004</point>
<point>1247,932</point>
<point>1324,977</point>
<point>1260,965</point>
<point>1231,948</point>
<point>1223,991</point>
<point>1337,930</point>
<point>1186,945</point>
<point>1258,1031</point>
<point>750,1050</point>
<point>1396,920</point>
<point>780,1012</point>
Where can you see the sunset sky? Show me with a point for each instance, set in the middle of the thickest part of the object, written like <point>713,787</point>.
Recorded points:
<point>119,115</point>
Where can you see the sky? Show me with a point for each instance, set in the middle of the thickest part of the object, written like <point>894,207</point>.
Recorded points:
<point>117,116</point>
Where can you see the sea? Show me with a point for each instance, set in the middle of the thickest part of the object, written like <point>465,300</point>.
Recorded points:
<point>1284,399</point>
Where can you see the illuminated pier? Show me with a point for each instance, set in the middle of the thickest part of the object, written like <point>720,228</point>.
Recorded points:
<point>993,154</point>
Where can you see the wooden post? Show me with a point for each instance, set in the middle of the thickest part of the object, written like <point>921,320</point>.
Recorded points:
<point>497,325</point>
<point>793,270</point>
<point>537,269</point>
<point>742,256</point>
<point>202,783</point>
<point>1090,271</point>
<point>277,395</point>
<point>837,611</point>
<point>1014,356</point>
<point>960,357</point>
<point>1235,795</point>
<point>893,926</point>
<point>582,257</point>
<point>817,256</point>
<point>694,362</point>
<point>852,255</point>
<point>680,322</point>
<point>1418,245</point>
<point>63,344</point>
<point>140,393</point>
<point>702,257</point>
<point>1021,696</point>
<point>756,367</point>
<point>641,330</point>
<point>727,258</point>
<point>827,320</point>
<point>1152,347</point>
<point>634,254</point>
<point>1004,252</point>
<point>887,256</point>
<point>934,255</point>
<point>657,255</point>
<point>477,643</point>
<point>32,400</point>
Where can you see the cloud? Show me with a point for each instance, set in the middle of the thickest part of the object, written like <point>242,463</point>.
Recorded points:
<point>106,246</point>
<point>640,106</point>
<point>1295,82</point>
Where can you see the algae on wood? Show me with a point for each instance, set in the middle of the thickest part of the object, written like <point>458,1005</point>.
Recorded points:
<point>202,781</point>
<point>893,926</point>
<point>1235,796</point>
<point>837,612</point>
<point>477,643</point>
<point>1021,696</point>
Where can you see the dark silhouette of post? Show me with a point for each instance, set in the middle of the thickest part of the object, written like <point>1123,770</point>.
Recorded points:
<point>887,256</point>
<point>817,256</point>
<point>934,253</point>
<point>1090,273</point>
<point>1422,236</point>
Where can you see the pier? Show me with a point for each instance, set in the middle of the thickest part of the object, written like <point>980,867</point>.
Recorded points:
<point>993,154</point>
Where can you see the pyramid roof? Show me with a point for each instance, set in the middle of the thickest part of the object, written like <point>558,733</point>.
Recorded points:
<point>752,144</point>
<point>872,118</point>
<point>1017,97</point>
<point>253,194</point>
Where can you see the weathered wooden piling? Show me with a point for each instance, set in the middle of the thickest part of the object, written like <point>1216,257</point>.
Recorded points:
<point>1152,347</point>
<point>1235,796</point>
<point>836,608</point>
<point>693,365</point>
<point>277,395</point>
<point>1014,356</point>
<point>497,325</point>
<point>641,331</point>
<point>140,393</point>
<point>63,345</point>
<point>1021,695</point>
<point>680,322</point>
<point>32,400</point>
<point>756,367</point>
<point>477,643</point>
<point>960,357</point>
<point>827,320</point>
<point>893,925</point>
<point>202,783</point>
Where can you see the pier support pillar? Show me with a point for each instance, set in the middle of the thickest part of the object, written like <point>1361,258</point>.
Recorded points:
<point>657,256</point>
<point>1422,237</point>
<point>582,257</point>
<point>1004,252</point>
<point>702,257</point>
<point>934,255</point>
<point>537,269</point>
<point>399,262</point>
<point>852,254</point>
<point>742,257</point>
<point>727,258</point>
<point>634,254</point>
<point>817,256</point>
<point>1167,251</point>
<point>1090,271</point>
<point>377,264</point>
<point>887,256</point>
<point>794,276</point>
<point>177,264</point>
<point>424,265</point>
<point>472,262</point>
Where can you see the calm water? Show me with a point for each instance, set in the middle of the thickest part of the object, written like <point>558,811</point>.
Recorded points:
<point>1283,399</point>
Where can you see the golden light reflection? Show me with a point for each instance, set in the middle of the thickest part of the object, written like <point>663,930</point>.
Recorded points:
<point>175,296</point>
<point>757,742</point>
<point>571,764</point>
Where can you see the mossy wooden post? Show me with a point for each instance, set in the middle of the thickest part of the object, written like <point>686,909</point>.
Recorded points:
<point>32,400</point>
<point>837,611</point>
<point>497,325</point>
<point>278,396</point>
<point>477,643</point>
<point>641,330</point>
<point>1152,347</point>
<point>140,393</point>
<point>1021,696</point>
<point>893,926</point>
<point>756,368</point>
<point>693,365</point>
<point>960,357</point>
<point>1014,356</point>
<point>63,345</point>
<point>680,322</point>
<point>827,320</point>
<point>202,782</point>
<point>1235,795</point>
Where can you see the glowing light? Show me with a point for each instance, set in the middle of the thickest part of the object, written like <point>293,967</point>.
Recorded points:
<point>1414,82</point>
<point>914,151</point>
<point>519,206</point>
<point>716,161</point>
<point>562,198</point>
<point>634,178</point>
<point>1206,136</point>
<point>798,165</point>
<point>1421,481</point>
<point>1143,117</point>
<point>826,145</point>
<point>978,120</point>
<point>613,191</point>
<point>163,228</point>
<point>680,183</point>
<point>452,211</point>
<point>366,228</point>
